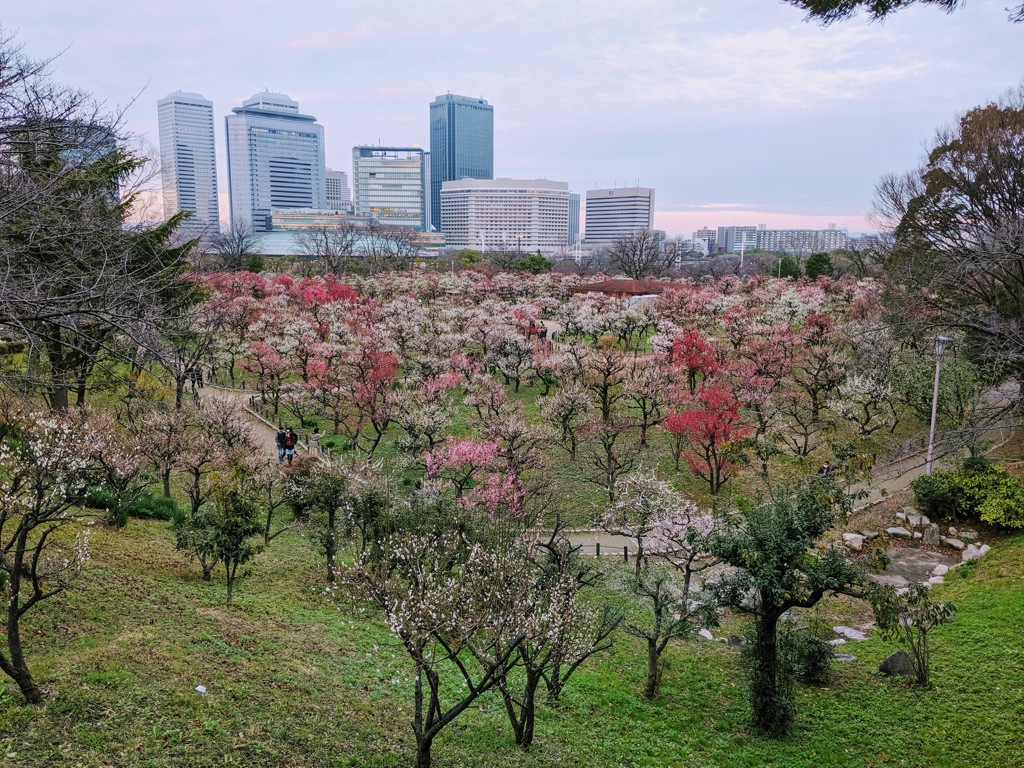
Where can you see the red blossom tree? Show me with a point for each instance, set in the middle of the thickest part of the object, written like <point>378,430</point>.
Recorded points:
<point>705,431</point>
<point>696,356</point>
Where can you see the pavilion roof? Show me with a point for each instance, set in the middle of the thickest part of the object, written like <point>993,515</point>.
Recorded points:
<point>623,287</point>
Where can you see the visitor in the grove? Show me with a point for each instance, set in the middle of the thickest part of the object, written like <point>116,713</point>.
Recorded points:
<point>290,441</point>
<point>825,469</point>
<point>280,440</point>
<point>314,441</point>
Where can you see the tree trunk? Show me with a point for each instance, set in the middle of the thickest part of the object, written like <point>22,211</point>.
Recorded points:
<point>651,683</point>
<point>769,714</point>
<point>329,545</point>
<point>423,752</point>
<point>167,482</point>
<point>529,708</point>
<point>16,667</point>
<point>229,572</point>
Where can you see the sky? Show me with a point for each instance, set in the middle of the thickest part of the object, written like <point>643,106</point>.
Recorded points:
<point>735,111</point>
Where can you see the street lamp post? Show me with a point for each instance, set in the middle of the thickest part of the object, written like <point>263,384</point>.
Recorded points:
<point>940,347</point>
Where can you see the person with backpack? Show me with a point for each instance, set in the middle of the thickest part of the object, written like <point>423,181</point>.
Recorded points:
<point>290,441</point>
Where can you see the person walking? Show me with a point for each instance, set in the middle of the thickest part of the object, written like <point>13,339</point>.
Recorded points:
<point>314,442</point>
<point>280,440</point>
<point>290,441</point>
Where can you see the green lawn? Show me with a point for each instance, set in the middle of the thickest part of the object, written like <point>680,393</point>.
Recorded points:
<point>293,681</point>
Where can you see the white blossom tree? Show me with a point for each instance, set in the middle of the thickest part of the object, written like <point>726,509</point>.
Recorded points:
<point>45,462</point>
<point>456,607</point>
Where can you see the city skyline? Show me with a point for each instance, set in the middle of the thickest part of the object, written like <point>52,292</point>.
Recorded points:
<point>736,112</point>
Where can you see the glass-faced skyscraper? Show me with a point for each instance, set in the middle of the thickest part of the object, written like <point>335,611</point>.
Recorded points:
<point>461,144</point>
<point>275,159</point>
<point>188,161</point>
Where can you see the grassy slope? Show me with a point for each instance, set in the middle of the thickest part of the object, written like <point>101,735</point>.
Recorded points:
<point>292,681</point>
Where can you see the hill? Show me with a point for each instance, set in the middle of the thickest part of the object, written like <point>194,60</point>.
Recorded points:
<point>291,680</point>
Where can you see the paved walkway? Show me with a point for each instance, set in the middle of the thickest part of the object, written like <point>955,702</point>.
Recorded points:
<point>266,430</point>
<point>887,479</point>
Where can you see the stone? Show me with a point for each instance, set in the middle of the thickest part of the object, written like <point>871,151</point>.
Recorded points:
<point>849,633</point>
<point>735,641</point>
<point>902,516</point>
<point>837,641</point>
<point>911,565</point>
<point>952,532</point>
<point>854,541</point>
<point>954,543</point>
<point>918,535</point>
<point>937,580</point>
<point>843,657</point>
<point>898,532</point>
<point>968,536</point>
<point>706,634</point>
<point>897,664</point>
<point>940,570</point>
<point>917,520</point>
<point>931,535</point>
<point>973,552</point>
<point>869,535</point>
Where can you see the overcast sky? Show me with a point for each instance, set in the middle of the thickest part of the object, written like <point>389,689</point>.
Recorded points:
<point>735,111</point>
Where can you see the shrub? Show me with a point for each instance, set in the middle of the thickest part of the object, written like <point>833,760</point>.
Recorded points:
<point>983,490</point>
<point>996,496</point>
<point>148,507</point>
<point>812,658</point>
<point>939,495</point>
<point>99,497</point>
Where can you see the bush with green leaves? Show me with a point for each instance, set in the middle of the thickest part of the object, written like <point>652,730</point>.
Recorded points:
<point>149,507</point>
<point>811,657</point>
<point>939,495</point>
<point>99,497</point>
<point>983,490</point>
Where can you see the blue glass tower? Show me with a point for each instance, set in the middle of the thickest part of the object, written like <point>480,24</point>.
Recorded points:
<point>461,145</point>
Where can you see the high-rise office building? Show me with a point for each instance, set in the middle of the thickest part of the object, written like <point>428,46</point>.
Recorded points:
<point>275,159</point>
<point>461,144</point>
<point>574,218</point>
<point>615,213</point>
<point>512,214</point>
<point>389,185</point>
<point>188,160</point>
<point>336,190</point>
